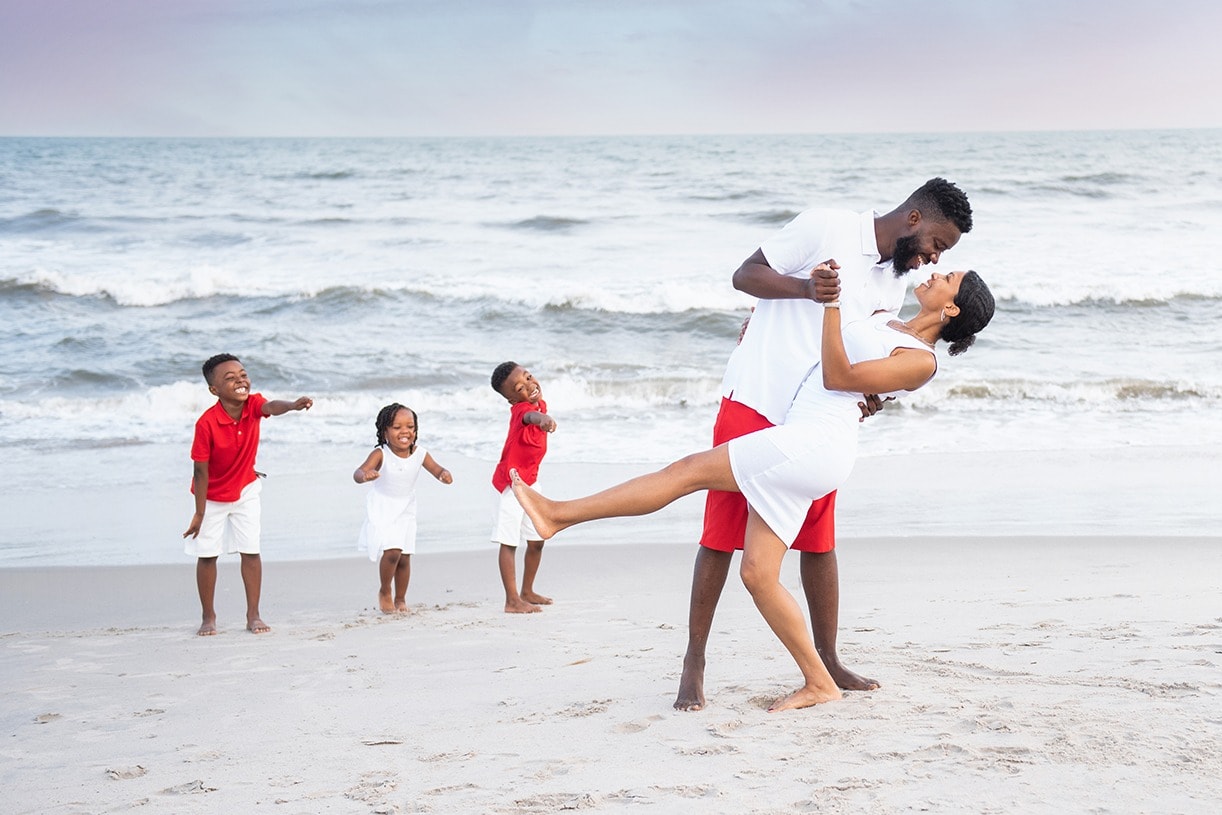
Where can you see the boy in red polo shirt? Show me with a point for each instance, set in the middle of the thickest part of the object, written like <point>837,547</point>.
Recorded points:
<point>226,486</point>
<point>525,446</point>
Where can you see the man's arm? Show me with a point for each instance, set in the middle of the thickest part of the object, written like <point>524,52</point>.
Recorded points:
<point>756,278</point>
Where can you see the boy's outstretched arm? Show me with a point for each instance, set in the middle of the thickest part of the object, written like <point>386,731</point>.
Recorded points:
<point>200,481</point>
<point>278,407</point>
<point>436,470</point>
<point>541,419</point>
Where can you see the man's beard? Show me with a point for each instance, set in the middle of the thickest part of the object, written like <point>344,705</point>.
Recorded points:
<point>905,252</point>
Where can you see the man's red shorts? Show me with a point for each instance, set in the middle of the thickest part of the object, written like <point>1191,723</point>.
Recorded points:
<point>725,513</point>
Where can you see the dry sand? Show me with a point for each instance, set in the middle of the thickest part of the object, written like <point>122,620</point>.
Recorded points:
<point>1019,675</point>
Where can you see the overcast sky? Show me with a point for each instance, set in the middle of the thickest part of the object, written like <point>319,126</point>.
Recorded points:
<point>524,67</point>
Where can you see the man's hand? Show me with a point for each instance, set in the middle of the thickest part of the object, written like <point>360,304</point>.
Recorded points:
<point>872,404</point>
<point>823,285</point>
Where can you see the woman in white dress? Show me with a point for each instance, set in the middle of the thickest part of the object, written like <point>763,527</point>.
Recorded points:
<point>782,469</point>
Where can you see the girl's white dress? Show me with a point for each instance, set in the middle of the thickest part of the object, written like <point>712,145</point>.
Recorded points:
<point>781,469</point>
<point>390,506</point>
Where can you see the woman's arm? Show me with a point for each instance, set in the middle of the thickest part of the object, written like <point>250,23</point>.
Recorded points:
<point>905,370</point>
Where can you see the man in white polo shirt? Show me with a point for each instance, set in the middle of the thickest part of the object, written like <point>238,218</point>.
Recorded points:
<point>779,347</point>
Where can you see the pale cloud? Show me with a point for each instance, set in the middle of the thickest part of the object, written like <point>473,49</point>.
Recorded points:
<point>475,67</point>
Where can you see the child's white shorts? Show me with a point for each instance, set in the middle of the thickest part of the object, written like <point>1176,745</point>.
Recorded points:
<point>513,525</point>
<point>229,526</point>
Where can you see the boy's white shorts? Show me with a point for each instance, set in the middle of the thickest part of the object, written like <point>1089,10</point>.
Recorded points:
<point>513,525</point>
<point>229,526</point>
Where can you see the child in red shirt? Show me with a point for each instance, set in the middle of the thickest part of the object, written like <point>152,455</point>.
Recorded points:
<point>226,485</point>
<point>525,446</point>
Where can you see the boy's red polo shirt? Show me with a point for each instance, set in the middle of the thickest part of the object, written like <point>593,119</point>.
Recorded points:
<point>525,446</point>
<point>229,447</point>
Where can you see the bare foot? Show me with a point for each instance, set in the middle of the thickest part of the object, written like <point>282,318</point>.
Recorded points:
<point>207,629</point>
<point>847,680</point>
<point>535,506</point>
<point>520,607</point>
<point>257,626</point>
<point>401,607</point>
<point>691,687</point>
<point>804,697</point>
<point>385,604</point>
<point>537,599</point>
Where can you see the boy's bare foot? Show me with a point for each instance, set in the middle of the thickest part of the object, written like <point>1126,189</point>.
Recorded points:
<point>537,599</point>
<point>257,626</point>
<point>804,697</point>
<point>207,629</point>
<point>520,607</point>
<point>534,504</point>
<point>386,603</point>
<point>847,680</point>
<point>401,607</point>
<point>691,688</point>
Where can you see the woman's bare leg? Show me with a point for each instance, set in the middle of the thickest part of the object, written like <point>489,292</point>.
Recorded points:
<point>763,552</point>
<point>709,470</point>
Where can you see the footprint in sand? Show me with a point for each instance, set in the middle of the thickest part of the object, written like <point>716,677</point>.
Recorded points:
<point>637,726</point>
<point>120,773</point>
<point>43,718</point>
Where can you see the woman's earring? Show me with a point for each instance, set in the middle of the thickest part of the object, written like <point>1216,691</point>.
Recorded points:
<point>943,317</point>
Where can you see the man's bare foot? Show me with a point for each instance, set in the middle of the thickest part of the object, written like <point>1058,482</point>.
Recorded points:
<point>535,506</point>
<point>520,607</point>
<point>537,599</point>
<point>804,697</point>
<point>207,629</point>
<point>257,626</point>
<point>386,603</point>
<point>401,607</point>
<point>691,688</point>
<point>847,680</point>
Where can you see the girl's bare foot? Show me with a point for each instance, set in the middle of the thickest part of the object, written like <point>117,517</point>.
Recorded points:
<point>534,504</point>
<point>385,603</point>
<point>537,599</point>
<point>520,606</point>
<point>401,607</point>
<point>207,629</point>
<point>257,626</point>
<point>805,697</point>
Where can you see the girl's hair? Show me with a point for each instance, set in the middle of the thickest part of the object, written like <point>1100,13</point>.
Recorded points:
<point>386,417</point>
<point>975,303</point>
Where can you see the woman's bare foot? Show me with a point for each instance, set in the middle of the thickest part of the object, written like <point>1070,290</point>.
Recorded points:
<point>401,607</point>
<point>691,688</point>
<point>207,628</point>
<point>520,606</point>
<point>534,504</point>
<point>537,599</point>
<point>386,603</point>
<point>257,626</point>
<point>805,697</point>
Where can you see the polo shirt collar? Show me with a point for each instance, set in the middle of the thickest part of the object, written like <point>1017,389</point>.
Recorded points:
<point>869,241</point>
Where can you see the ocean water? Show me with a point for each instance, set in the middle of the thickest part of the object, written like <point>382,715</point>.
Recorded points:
<point>361,272</point>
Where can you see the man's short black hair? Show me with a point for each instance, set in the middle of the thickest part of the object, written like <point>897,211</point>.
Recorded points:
<point>212,362</point>
<point>942,200</point>
<point>502,373</point>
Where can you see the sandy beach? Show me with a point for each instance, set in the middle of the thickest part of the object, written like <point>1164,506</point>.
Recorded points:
<point>1037,674</point>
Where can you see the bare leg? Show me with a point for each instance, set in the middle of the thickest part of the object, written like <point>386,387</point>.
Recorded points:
<point>821,582</point>
<point>708,470</point>
<point>205,580</point>
<point>763,552</point>
<point>708,580</point>
<point>387,567</point>
<point>514,604</point>
<point>530,567</point>
<point>403,576</point>
<point>252,579</point>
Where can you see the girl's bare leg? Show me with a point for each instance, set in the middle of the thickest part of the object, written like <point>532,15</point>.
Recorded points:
<point>403,576</point>
<point>387,567</point>
<point>763,552</point>
<point>708,470</point>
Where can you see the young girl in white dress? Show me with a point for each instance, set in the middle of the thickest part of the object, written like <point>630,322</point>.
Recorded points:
<point>389,532</point>
<point>782,469</point>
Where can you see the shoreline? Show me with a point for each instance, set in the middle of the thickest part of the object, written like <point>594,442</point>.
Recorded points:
<point>1033,674</point>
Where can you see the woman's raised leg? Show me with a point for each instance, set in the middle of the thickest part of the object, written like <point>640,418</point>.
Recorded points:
<point>708,470</point>
<point>763,552</point>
